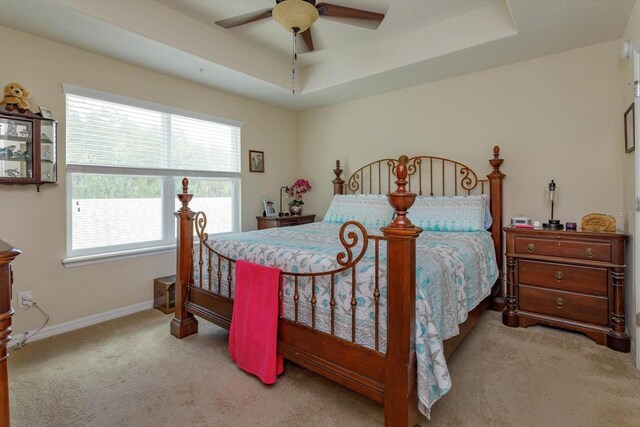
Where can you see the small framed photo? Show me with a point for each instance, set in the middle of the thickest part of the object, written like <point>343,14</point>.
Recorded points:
<point>46,114</point>
<point>629,129</point>
<point>256,161</point>
<point>270,207</point>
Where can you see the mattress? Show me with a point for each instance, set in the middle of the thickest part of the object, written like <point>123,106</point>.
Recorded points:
<point>454,272</point>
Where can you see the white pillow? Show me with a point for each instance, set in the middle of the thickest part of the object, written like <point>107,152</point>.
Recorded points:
<point>371,210</point>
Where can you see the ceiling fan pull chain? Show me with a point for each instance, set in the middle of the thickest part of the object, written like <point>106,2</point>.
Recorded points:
<point>293,65</point>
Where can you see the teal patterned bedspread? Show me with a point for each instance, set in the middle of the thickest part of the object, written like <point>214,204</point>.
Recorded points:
<point>454,272</point>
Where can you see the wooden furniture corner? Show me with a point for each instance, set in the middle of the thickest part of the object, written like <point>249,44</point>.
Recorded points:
<point>7,254</point>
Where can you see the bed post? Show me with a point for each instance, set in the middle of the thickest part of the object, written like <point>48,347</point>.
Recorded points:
<point>184,324</point>
<point>338,183</point>
<point>400,393</point>
<point>495,188</point>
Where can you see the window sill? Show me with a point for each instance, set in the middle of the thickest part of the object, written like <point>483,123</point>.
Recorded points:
<point>78,261</point>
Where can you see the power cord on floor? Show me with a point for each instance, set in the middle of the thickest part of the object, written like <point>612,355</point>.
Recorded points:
<point>29,303</point>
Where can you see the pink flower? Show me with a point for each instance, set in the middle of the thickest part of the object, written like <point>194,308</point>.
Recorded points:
<point>299,187</point>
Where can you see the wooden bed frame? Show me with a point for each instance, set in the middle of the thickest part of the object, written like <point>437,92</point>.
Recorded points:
<point>389,378</point>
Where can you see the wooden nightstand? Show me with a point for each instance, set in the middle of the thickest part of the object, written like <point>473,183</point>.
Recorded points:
<point>283,221</point>
<point>568,279</point>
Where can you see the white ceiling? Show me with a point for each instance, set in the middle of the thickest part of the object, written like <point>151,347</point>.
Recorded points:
<point>419,41</point>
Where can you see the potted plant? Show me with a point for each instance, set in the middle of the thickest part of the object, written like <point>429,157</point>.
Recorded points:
<point>299,187</point>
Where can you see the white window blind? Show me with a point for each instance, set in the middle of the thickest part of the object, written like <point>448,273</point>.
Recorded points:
<point>103,133</point>
<point>125,160</point>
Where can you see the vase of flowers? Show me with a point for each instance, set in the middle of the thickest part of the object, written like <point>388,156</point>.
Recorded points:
<point>300,187</point>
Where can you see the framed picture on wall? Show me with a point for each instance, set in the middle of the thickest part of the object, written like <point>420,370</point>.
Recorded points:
<point>256,161</point>
<point>629,130</point>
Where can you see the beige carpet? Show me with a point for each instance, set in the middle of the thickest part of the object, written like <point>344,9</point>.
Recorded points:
<point>131,372</point>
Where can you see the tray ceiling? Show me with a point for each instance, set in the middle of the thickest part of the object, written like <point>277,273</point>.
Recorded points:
<point>417,42</point>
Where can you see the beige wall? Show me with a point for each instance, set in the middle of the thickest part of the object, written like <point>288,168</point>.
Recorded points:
<point>553,117</point>
<point>36,222</point>
<point>558,116</point>
<point>626,70</point>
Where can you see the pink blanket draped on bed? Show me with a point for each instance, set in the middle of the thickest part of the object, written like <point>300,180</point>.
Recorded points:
<point>253,336</point>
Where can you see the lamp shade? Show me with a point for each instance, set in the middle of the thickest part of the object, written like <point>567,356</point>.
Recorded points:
<point>295,14</point>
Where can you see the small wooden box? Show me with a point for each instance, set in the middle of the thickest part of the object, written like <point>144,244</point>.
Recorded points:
<point>164,294</point>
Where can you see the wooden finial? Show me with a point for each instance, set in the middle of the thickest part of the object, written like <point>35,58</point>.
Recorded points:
<point>338,182</point>
<point>401,174</point>
<point>496,161</point>
<point>338,171</point>
<point>185,197</point>
<point>401,200</point>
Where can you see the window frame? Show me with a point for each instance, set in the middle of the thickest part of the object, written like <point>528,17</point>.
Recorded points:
<point>167,198</point>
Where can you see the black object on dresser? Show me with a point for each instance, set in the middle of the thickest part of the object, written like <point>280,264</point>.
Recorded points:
<point>283,221</point>
<point>569,279</point>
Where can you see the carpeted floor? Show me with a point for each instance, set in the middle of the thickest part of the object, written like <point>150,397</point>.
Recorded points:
<point>131,372</point>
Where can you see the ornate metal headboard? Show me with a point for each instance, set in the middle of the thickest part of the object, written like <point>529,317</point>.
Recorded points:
<point>427,175</point>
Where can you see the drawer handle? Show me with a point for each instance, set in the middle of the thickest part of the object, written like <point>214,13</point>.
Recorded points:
<point>588,253</point>
<point>559,276</point>
<point>560,303</point>
<point>531,247</point>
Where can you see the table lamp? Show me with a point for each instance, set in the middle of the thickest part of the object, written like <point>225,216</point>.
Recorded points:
<point>282,212</point>
<point>551,195</point>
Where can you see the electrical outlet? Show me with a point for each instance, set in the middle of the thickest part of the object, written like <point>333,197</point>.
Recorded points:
<point>22,296</point>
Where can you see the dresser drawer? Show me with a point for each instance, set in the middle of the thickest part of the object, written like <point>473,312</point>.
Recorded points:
<point>296,221</point>
<point>587,280</point>
<point>566,248</point>
<point>284,221</point>
<point>581,308</point>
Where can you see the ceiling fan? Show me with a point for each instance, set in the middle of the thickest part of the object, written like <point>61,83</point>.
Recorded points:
<point>298,15</point>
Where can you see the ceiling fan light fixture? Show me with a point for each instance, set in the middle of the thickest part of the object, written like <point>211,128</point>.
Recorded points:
<point>297,14</point>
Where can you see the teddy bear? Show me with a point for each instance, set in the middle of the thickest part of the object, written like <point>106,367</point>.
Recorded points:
<point>15,96</point>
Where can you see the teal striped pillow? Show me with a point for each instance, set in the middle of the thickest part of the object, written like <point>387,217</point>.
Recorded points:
<point>371,210</point>
<point>449,213</point>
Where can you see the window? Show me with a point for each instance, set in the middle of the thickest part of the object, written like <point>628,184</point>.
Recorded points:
<point>125,163</point>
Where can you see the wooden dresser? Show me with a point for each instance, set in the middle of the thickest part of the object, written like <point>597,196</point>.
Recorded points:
<point>568,279</point>
<point>7,254</point>
<point>283,221</point>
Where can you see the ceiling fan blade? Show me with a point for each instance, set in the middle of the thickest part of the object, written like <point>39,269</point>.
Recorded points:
<point>308,40</point>
<point>332,10</point>
<point>244,19</point>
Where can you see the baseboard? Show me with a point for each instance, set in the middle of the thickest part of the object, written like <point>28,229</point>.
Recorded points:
<point>72,325</point>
